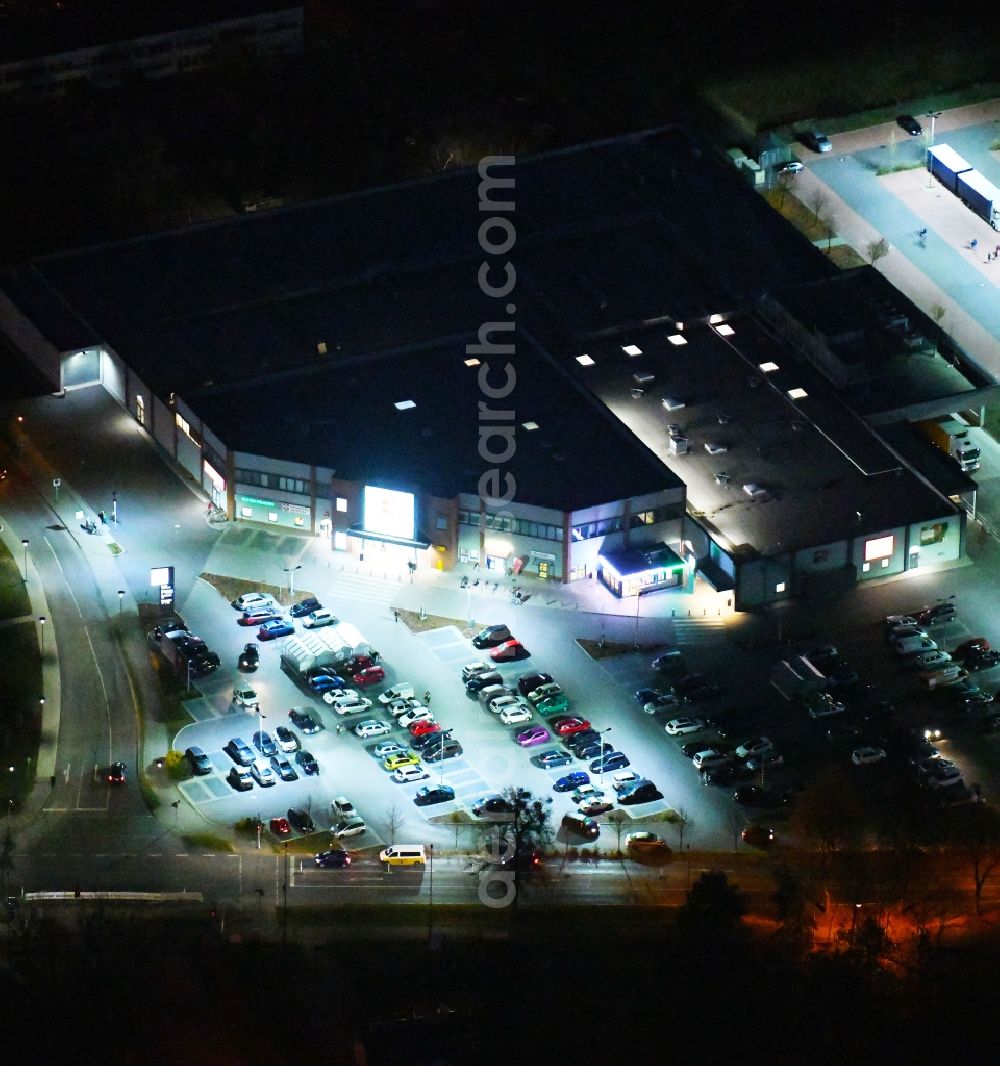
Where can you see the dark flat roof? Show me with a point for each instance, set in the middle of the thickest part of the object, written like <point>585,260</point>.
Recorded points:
<point>95,22</point>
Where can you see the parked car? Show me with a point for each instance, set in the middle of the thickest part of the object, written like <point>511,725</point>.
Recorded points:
<point>695,687</point>
<point>301,820</point>
<point>753,747</point>
<point>199,762</point>
<point>615,760</point>
<point>471,670</point>
<point>709,759</point>
<point>280,827</point>
<point>666,701</point>
<point>285,739</point>
<point>644,840</point>
<point>414,715</point>
<point>677,727</point>
<point>595,806</point>
<point>566,727</point>
<point>765,760</point>
<point>253,599</point>
<point>349,827</point>
<point>938,614</point>
<point>624,779</point>
<point>758,836</point>
<point>527,683</point>
<point>824,705</point>
<point>249,657</point>
<point>385,748</point>
<point>818,142</point>
<point>556,704</point>
<point>265,743</point>
<point>333,860</point>
<point>429,794</point>
<point>491,805</point>
<point>491,636</point>
<point>584,737</point>
<point>593,750</point>
<point>646,695</point>
<point>406,774</point>
<point>305,607</point>
<point>355,664</point>
<point>515,715</point>
<point>669,661</point>
<point>278,627</point>
<point>371,675</point>
<point>552,758</point>
<point>790,166</point>
<point>535,734</point>
<point>982,660</point>
<point>509,651</point>
<point>424,727</point>
<point>867,755</point>
<point>262,773</point>
<point>283,768</point>
<point>307,761</point>
<point>240,778</point>
<point>449,750</point>
<point>371,727</point>
<point>544,691</point>
<point>239,751</point>
<point>482,681</point>
<point>431,735</point>
<point>572,781</point>
<point>346,701</point>
<point>968,647</point>
<point>258,616</point>
<point>323,683</point>
<point>398,759</point>
<point>303,721</point>
<point>931,660</point>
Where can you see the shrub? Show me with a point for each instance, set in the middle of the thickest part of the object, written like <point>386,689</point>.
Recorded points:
<point>176,765</point>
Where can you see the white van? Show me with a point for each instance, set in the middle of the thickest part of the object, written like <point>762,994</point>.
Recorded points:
<point>404,855</point>
<point>914,645</point>
<point>948,674</point>
<point>245,696</point>
<point>398,691</point>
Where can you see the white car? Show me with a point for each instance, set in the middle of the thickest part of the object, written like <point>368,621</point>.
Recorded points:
<point>550,688</point>
<point>262,772</point>
<point>345,697</point>
<point>343,808</point>
<point>753,747</point>
<point>371,727</point>
<point>643,839</point>
<point>350,827</point>
<point>944,776</point>
<point>931,660</point>
<point>401,705</point>
<point>865,756</point>
<point>417,714</point>
<point>709,759</point>
<point>471,670</point>
<point>915,645</point>
<point>319,618</point>
<point>501,703</point>
<point>677,727</point>
<point>249,600</point>
<point>623,778</point>
<point>515,714</point>
<point>409,773</point>
<point>713,447</point>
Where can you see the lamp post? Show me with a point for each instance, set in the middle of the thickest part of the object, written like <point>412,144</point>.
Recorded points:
<point>188,675</point>
<point>121,596</point>
<point>430,897</point>
<point>290,571</point>
<point>41,635</point>
<point>602,756</point>
<point>24,544</point>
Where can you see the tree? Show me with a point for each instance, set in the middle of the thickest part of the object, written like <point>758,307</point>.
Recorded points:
<point>682,822</point>
<point>796,909</point>
<point>393,822</point>
<point>618,820</point>
<point>877,250</point>
<point>830,812</point>
<point>978,840</point>
<point>714,906</point>
<point>817,204</point>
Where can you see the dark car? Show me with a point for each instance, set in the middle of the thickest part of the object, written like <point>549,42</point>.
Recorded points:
<point>727,775</point>
<point>968,647</point>
<point>910,124</point>
<point>265,743</point>
<point>553,757</point>
<point>647,695</point>
<point>307,762</point>
<point>572,781</point>
<point>448,750</point>
<point>491,805</point>
<point>982,660</point>
<point>304,607</point>
<point>695,687</point>
<point>249,657</point>
<point>299,817</point>
<point>239,751</point>
<point>642,791</point>
<point>168,625</point>
<point>433,794</point>
<point>616,760</point>
<point>818,142</point>
<point>581,826</point>
<point>759,796</point>
<point>200,763</point>
<point>758,836</point>
<point>203,664</point>
<point>283,768</point>
<point>303,721</point>
<point>580,740</point>
<point>843,676</point>
<point>333,860</point>
<point>115,774</point>
<point>240,779</point>
<point>320,683</point>
<point>937,615</point>
<point>529,682</point>
<point>423,741</point>
<point>594,750</point>
<point>691,749</point>
<point>476,684</point>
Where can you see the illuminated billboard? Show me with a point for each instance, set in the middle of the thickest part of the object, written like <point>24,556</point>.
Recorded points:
<point>880,548</point>
<point>389,512</point>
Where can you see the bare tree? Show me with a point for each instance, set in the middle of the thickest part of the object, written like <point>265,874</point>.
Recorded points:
<point>979,843</point>
<point>393,822</point>
<point>830,223</point>
<point>877,250</point>
<point>785,178</point>
<point>618,820</point>
<point>817,204</point>
<point>682,822</point>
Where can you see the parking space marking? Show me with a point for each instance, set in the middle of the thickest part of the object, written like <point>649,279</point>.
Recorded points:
<point>200,710</point>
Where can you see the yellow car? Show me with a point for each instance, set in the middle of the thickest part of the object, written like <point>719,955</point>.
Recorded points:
<point>394,762</point>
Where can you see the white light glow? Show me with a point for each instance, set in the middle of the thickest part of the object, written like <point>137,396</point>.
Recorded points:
<point>797,393</point>
<point>404,405</point>
<point>714,320</point>
<point>631,349</point>
<point>677,339</point>
<point>529,425</point>
<point>769,368</point>
<point>725,330</point>
<point>389,512</point>
<point>879,548</point>
<point>472,362</point>
<point>584,360</point>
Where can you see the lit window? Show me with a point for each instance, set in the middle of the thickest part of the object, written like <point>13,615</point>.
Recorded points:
<point>246,512</point>
<point>677,339</point>
<point>769,368</point>
<point>584,360</point>
<point>865,567</point>
<point>797,393</point>
<point>341,504</point>
<point>472,362</point>
<point>631,349</point>
<point>529,425</point>
<point>725,330</point>
<point>272,516</point>
<point>885,563</point>
<point>340,541</point>
<point>880,548</point>
<point>299,520</point>
<point>183,425</point>
<point>780,587</point>
<point>404,405</point>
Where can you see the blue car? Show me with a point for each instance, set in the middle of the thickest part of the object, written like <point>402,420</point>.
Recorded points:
<point>277,627</point>
<point>572,781</point>
<point>320,683</point>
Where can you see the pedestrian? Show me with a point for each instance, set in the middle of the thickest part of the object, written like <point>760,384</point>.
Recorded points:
<point>339,727</point>
<point>103,517</point>
<point>974,244</point>
<point>996,251</point>
<point>395,614</point>
<point>427,698</point>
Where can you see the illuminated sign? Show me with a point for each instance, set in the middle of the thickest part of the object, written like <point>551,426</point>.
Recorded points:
<point>389,512</point>
<point>880,548</point>
<point>161,575</point>
<point>257,500</point>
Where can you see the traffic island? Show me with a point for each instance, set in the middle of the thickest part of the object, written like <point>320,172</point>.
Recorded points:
<point>607,649</point>
<point>421,622</point>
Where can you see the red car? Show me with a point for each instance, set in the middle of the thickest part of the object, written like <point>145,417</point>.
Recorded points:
<point>355,664</point>
<point>568,726</point>
<point>257,617</point>
<point>426,726</point>
<point>370,675</point>
<point>508,651</point>
<point>280,827</point>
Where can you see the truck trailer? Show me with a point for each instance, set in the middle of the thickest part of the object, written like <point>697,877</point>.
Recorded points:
<point>968,184</point>
<point>946,164</point>
<point>952,437</point>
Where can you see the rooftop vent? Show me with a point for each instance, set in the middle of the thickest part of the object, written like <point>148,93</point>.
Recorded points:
<point>584,360</point>
<point>529,425</point>
<point>677,339</point>
<point>631,349</point>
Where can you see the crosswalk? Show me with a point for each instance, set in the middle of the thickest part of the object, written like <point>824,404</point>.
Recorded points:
<point>699,631</point>
<point>361,588</point>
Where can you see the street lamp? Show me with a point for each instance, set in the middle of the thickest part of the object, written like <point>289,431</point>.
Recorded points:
<point>430,898</point>
<point>121,596</point>
<point>290,571</point>
<point>445,734</point>
<point>24,544</point>
<point>41,637</point>
<point>932,115</point>
<point>602,756</point>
